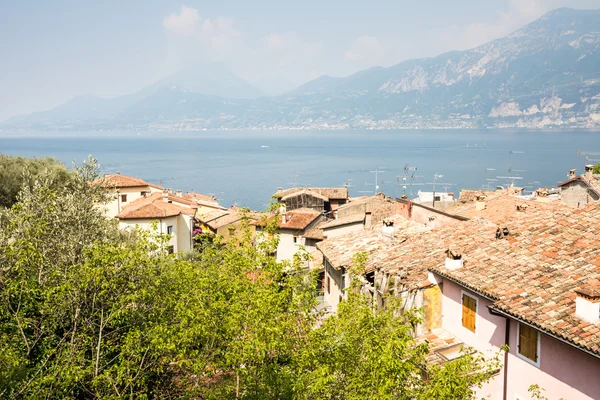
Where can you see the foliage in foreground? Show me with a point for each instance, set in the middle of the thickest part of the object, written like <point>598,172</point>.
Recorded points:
<point>87,312</point>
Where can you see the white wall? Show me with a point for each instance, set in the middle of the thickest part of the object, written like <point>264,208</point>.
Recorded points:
<point>180,239</point>
<point>115,206</point>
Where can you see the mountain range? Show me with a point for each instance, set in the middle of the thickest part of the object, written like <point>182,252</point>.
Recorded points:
<point>546,74</point>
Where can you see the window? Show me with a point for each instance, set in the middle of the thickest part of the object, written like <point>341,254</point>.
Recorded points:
<point>170,229</point>
<point>123,198</point>
<point>469,312</point>
<point>528,346</point>
<point>171,249</point>
<point>328,285</point>
<point>295,239</point>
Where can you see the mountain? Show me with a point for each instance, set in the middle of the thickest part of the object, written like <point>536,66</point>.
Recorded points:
<point>543,75</point>
<point>208,79</point>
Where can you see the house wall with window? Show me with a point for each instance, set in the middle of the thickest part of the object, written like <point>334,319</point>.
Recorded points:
<point>180,238</point>
<point>335,282</point>
<point>487,336</point>
<point>562,370</point>
<point>124,196</point>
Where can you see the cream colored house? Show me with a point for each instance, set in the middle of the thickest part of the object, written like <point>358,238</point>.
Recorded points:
<point>124,191</point>
<point>173,214</point>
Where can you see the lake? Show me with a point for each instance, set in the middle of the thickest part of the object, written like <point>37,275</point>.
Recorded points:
<point>247,167</point>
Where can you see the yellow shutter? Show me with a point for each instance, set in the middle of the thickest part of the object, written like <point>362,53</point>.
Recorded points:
<point>469,307</point>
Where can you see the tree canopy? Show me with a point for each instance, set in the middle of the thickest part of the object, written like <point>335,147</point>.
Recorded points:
<point>87,311</point>
<point>18,171</point>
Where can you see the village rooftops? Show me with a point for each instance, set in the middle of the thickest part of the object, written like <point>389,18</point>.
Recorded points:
<point>157,205</point>
<point>498,207</point>
<point>533,270</point>
<point>123,181</point>
<point>203,200</point>
<point>324,193</point>
<point>383,250</point>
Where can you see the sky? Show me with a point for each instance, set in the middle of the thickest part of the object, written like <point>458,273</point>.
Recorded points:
<point>52,51</point>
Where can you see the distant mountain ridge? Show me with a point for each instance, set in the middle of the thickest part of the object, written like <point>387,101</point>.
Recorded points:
<point>545,74</point>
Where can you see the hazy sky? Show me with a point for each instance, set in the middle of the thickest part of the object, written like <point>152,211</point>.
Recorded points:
<point>51,51</point>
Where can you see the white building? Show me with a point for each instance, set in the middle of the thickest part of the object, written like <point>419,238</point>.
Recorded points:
<point>173,214</point>
<point>124,191</point>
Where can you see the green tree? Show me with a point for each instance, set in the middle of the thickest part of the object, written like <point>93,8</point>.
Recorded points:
<point>596,169</point>
<point>87,311</point>
<point>15,172</point>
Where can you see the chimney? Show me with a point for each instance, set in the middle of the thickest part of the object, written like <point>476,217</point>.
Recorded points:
<point>453,260</point>
<point>117,173</point>
<point>589,171</point>
<point>480,202</point>
<point>165,195</point>
<point>368,219</point>
<point>282,211</point>
<point>587,302</point>
<point>388,227</point>
<point>572,173</point>
<point>179,193</point>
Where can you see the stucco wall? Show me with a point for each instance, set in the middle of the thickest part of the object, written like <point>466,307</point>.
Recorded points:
<point>334,281</point>
<point>342,229</point>
<point>564,371</point>
<point>577,195</point>
<point>115,206</point>
<point>488,336</point>
<point>416,213</point>
<point>180,239</point>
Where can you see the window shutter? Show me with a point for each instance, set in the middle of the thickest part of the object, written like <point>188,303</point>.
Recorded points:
<point>469,306</point>
<point>528,340</point>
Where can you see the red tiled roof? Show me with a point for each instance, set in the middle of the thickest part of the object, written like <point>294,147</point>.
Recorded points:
<point>299,219</point>
<point>120,181</point>
<point>383,252</point>
<point>533,273</point>
<point>155,206</point>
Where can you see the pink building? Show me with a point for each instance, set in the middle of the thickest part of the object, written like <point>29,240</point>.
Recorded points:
<point>532,283</point>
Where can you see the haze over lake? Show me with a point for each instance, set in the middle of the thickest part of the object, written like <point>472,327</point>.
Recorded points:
<point>246,167</point>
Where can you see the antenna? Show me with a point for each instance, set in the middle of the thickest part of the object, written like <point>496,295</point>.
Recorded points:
<point>488,180</point>
<point>435,178</point>
<point>377,171</point>
<point>587,154</point>
<point>366,191</point>
<point>347,183</point>
<point>294,182</point>
<point>511,178</point>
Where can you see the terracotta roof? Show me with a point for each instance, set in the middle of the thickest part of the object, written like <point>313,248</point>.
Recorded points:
<point>305,191</point>
<point>351,219</point>
<point>593,183</point>
<point>155,206</point>
<point>438,340</point>
<point>500,207</point>
<point>533,273</point>
<point>119,181</point>
<point>469,196</point>
<point>330,193</point>
<point>383,251</point>
<point>315,232</point>
<point>199,196</point>
<point>299,219</point>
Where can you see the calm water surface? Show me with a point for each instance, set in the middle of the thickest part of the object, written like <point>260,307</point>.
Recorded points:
<point>247,167</point>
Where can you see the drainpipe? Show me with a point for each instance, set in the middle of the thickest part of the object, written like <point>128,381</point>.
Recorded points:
<point>506,340</point>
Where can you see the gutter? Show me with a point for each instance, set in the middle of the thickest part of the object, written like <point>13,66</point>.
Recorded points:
<point>461,284</point>
<point>495,311</point>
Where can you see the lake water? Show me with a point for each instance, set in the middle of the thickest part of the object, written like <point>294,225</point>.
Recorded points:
<point>247,167</point>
